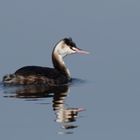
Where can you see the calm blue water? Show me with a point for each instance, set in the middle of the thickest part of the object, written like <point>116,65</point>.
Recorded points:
<point>103,100</point>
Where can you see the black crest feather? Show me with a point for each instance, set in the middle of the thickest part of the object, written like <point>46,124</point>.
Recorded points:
<point>69,42</point>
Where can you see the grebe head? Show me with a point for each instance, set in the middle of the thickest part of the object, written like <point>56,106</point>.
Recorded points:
<point>63,48</point>
<point>67,46</point>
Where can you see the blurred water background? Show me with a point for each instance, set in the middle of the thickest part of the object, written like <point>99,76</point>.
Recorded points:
<point>103,101</point>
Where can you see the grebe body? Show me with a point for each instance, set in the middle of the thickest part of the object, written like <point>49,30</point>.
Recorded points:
<point>43,75</point>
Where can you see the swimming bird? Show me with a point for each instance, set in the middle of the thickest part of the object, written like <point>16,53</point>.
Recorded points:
<point>58,75</point>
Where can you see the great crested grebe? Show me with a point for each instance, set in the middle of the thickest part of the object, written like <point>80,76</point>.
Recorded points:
<point>43,75</point>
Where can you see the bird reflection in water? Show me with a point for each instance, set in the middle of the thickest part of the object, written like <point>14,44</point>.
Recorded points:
<point>65,116</point>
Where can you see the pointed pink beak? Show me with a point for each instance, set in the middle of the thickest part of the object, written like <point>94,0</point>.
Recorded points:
<point>80,51</point>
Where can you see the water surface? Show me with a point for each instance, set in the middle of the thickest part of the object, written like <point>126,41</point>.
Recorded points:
<point>103,101</point>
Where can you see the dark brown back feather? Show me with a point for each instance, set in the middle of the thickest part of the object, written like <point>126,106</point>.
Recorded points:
<point>50,73</point>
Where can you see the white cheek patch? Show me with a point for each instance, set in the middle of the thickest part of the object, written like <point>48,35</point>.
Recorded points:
<point>63,49</point>
<point>66,50</point>
<point>70,51</point>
